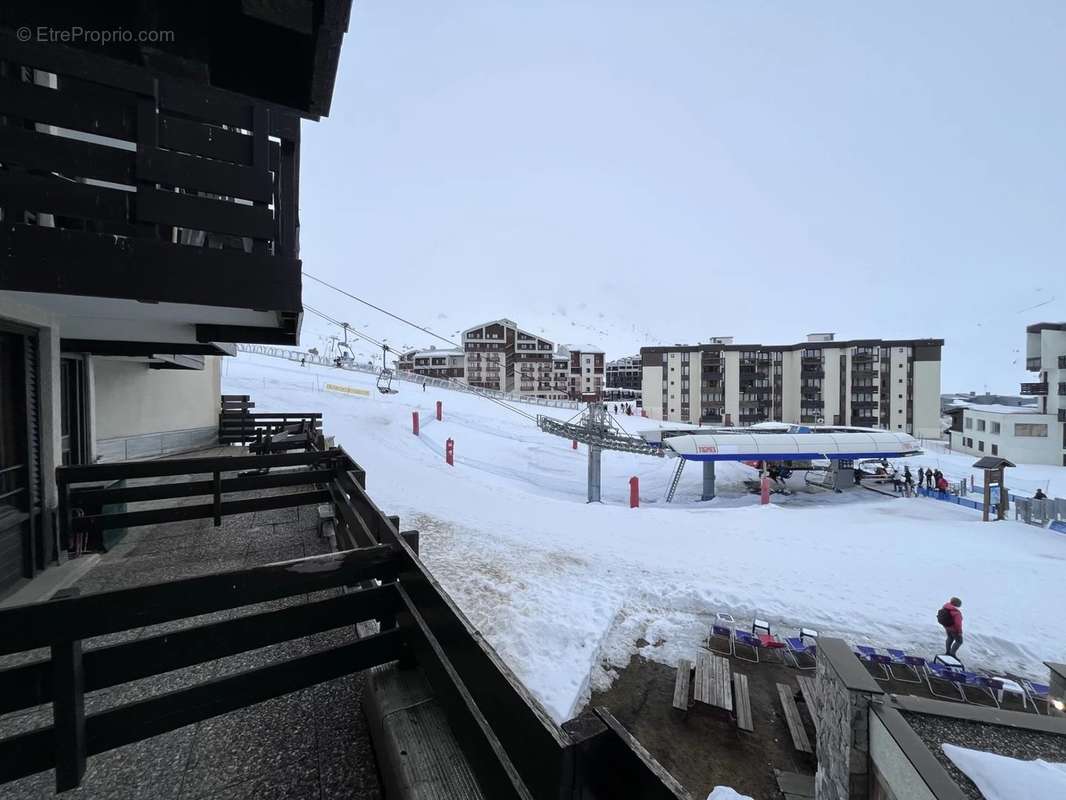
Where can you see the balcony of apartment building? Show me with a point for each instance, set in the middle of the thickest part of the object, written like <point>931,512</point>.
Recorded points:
<point>143,207</point>
<point>863,370</point>
<point>1035,389</point>
<point>1032,364</point>
<point>812,370</point>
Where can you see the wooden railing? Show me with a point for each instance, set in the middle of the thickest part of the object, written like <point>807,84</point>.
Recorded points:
<point>513,746</point>
<point>237,424</point>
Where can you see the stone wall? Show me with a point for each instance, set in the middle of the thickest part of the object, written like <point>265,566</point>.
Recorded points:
<point>843,690</point>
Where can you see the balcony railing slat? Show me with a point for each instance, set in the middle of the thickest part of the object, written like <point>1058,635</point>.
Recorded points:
<point>203,213</point>
<point>70,157</point>
<point>192,137</point>
<point>205,175</point>
<point>67,198</point>
<point>66,110</point>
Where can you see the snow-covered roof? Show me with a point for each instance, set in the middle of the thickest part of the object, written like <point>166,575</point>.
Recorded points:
<point>992,408</point>
<point>581,348</point>
<point>451,351</point>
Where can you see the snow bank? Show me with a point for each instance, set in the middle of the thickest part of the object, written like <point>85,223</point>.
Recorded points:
<point>725,793</point>
<point>1003,778</point>
<point>563,590</point>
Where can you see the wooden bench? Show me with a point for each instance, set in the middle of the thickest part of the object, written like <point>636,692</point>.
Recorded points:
<point>807,689</point>
<point>792,717</point>
<point>743,702</point>
<point>713,686</point>
<point>682,683</point>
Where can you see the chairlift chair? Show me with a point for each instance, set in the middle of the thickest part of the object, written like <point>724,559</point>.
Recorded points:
<point>384,383</point>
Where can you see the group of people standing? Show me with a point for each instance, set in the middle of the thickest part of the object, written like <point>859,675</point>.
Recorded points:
<point>626,409</point>
<point>904,482</point>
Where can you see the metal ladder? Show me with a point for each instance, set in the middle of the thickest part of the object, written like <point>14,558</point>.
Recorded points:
<point>677,479</point>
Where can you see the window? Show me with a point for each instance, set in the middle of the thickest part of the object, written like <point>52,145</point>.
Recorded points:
<point>995,428</point>
<point>968,424</point>
<point>1030,429</point>
<point>980,424</point>
<point>995,449</point>
<point>980,445</point>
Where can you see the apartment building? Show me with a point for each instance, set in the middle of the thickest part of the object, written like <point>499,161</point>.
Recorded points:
<point>890,384</point>
<point>434,363</point>
<point>624,373</point>
<point>499,355</point>
<point>1023,434</point>
<point>586,379</point>
<point>127,268</point>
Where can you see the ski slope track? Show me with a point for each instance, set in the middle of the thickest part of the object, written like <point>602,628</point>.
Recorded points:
<point>566,592</point>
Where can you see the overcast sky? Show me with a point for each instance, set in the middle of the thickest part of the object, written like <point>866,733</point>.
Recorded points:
<point>667,172</point>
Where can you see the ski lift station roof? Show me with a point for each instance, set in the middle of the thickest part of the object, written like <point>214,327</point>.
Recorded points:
<point>831,443</point>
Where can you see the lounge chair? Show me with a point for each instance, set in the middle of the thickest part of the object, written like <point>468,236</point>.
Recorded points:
<point>871,656</point>
<point>798,647</point>
<point>745,639</point>
<point>902,659</point>
<point>938,671</point>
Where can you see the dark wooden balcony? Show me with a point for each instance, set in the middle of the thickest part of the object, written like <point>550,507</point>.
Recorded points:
<point>1034,389</point>
<point>121,183</point>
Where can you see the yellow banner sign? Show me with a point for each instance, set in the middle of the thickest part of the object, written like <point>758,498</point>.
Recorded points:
<point>336,387</point>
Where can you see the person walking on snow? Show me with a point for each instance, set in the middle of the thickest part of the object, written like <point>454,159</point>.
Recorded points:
<point>921,477</point>
<point>951,618</point>
<point>908,482</point>
<point>929,479</point>
<point>896,483</point>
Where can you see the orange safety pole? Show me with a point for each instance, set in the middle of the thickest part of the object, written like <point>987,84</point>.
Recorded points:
<point>634,492</point>
<point>440,411</point>
<point>765,498</point>
<point>573,444</point>
<point>414,423</point>
<point>449,452</point>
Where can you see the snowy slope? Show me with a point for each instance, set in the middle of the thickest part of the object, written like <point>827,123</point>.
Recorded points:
<point>563,590</point>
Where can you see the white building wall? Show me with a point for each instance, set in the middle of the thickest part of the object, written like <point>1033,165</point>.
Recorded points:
<point>142,412</point>
<point>651,385</point>
<point>927,423</point>
<point>1053,345</point>
<point>731,372</point>
<point>695,390</point>
<point>1019,449</point>
<point>831,386</point>
<point>672,377</point>
<point>790,385</point>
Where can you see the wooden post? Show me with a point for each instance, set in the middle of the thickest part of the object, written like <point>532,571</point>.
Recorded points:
<point>1004,495</point>
<point>68,714</point>
<point>634,492</point>
<point>987,496</point>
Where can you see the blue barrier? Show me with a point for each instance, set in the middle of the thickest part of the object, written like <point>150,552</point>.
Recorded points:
<point>946,497</point>
<point>1058,526</point>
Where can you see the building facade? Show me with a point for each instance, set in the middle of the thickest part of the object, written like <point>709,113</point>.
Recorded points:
<point>1023,434</point>
<point>433,363</point>
<point>624,373</point>
<point>890,384</point>
<point>586,379</point>
<point>127,263</point>
<point>501,356</point>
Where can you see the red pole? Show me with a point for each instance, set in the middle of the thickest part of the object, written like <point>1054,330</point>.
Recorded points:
<point>573,444</point>
<point>414,423</point>
<point>765,499</point>
<point>449,452</point>
<point>634,492</point>
<point>440,411</point>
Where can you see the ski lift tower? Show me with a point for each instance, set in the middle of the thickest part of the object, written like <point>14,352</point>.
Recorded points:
<point>595,428</point>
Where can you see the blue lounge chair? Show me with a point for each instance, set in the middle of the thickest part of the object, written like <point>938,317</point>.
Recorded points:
<point>719,631</point>
<point>1037,692</point>
<point>745,639</point>
<point>902,659</point>
<point>798,647</point>
<point>871,656</point>
<point>985,684</point>
<point>933,670</point>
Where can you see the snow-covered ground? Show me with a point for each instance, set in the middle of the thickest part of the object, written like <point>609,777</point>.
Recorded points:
<point>564,590</point>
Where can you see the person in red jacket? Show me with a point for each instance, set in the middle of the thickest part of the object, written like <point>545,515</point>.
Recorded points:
<point>954,630</point>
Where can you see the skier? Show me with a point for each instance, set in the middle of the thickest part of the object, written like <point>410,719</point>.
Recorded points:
<point>423,386</point>
<point>929,478</point>
<point>1040,495</point>
<point>951,618</point>
<point>942,485</point>
<point>921,477</point>
<point>908,482</point>
<point>303,361</point>
<point>897,484</point>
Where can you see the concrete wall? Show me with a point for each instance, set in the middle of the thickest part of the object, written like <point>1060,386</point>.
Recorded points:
<point>790,386</point>
<point>831,386</point>
<point>1019,449</point>
<point>651,384</point>
<point>897,390</point>
<point>927,399</point>
<point>731,371</point>
<point>894,774</point>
